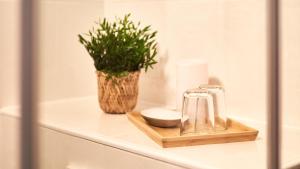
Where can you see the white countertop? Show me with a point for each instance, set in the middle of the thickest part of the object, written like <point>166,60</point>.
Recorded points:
<point>82,118</point>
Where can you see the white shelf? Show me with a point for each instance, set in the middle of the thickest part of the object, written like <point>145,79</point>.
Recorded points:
<point>82,118</point>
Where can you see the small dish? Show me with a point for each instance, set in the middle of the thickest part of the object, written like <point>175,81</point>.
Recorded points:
<point>160,117</point>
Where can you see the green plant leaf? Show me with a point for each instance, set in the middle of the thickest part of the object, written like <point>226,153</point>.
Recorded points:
<point>120,46</point>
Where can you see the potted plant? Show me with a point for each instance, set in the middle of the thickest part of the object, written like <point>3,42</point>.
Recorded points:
<point>120,49</point>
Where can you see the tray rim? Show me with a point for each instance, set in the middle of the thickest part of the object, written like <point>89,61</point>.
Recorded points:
<point>161,140</point>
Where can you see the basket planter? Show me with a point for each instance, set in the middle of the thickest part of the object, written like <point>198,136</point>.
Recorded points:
<point>118,47</point>
<point>118,94</point>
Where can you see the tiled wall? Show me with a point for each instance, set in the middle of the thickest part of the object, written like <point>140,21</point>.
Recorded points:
<point>228,34</point>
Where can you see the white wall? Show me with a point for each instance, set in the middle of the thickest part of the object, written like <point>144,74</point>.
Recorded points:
<point>229,34</point>
<point>9,47</point>
<point>66,70</point>
<point>291,61</point>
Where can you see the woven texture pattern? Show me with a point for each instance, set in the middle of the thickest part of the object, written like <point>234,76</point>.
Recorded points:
<point>118,95</point>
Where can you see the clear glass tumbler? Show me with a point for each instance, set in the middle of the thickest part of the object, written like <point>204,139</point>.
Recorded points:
<point>218,94</point>
<point>197,112</point>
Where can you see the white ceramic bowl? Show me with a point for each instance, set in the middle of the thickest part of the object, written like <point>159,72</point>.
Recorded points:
<point>160,117</point>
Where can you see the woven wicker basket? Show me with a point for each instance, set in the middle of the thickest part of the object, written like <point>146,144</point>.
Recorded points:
<point>118,95</point>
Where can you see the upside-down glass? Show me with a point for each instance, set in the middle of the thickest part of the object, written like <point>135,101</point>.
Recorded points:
<point>197,112</point>
<point>218,94</point>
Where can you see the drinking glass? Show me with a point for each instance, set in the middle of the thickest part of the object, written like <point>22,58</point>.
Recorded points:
<point>218,94</point>
<point>197,112</point>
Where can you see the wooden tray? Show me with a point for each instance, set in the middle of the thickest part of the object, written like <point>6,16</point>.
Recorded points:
<point>170,137</point>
